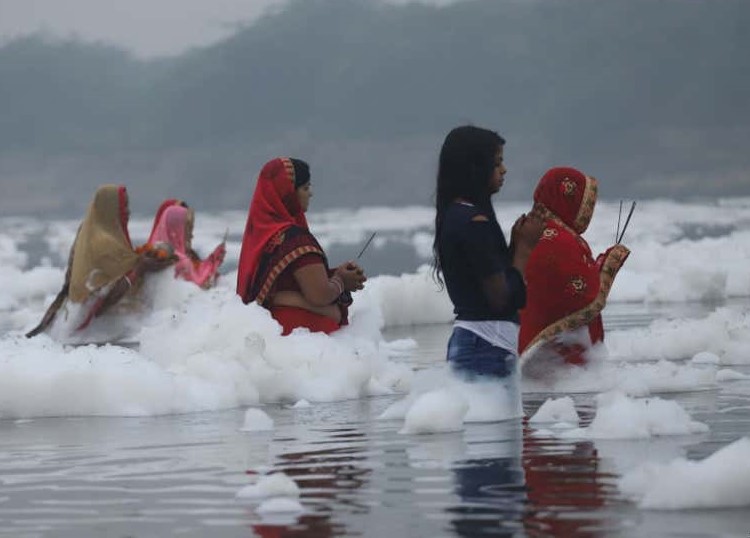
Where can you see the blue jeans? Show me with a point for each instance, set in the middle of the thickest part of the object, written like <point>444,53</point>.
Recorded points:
<point>475,358</point>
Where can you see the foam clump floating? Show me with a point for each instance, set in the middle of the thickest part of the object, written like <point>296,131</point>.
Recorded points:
<point>271,486</point>
<point>256,420</point>
<point>720,480</point>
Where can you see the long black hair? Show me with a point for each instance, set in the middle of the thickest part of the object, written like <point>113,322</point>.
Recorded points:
<point>467,161</point>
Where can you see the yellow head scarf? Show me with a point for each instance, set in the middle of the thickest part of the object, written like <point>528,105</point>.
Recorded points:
<point>102,252</point>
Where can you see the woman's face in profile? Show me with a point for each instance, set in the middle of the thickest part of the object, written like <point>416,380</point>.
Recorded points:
<point>304,193</point>
<point>498,172</point>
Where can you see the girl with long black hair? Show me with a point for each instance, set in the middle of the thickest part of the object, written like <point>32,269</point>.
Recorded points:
<point>483,274</point>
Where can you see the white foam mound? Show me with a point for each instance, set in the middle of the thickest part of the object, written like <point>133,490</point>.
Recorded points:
<point>621,417</point>
<point>409,299</point>
<point>256,420</point>
<point>556,410</point>
<point>725,333</point>
<point>19,288</point>
<point>720,480</point>
<point>679,252</point>
<point>727,374</point>
<point>206,351</point>
<point>437,411</point>
<point>198,350</point>
<point>704,357</point>
<point>10,254</point>
<point>435,394</point>
<point>269,486</point>
<point>634,379</point>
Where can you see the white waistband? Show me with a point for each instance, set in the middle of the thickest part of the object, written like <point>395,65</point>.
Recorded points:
<point>502,334</point>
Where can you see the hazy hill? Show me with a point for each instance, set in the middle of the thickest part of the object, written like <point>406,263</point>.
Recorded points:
<point>651,97</point>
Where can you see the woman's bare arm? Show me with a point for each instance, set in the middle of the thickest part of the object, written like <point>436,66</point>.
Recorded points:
<point>317,288</point>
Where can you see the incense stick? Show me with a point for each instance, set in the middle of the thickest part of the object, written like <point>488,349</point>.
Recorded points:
<point>366,245</point>
<point>627,221</point>
<point>619,216</point>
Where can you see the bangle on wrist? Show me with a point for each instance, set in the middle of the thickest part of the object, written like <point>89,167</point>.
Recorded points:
<point>339,283</point>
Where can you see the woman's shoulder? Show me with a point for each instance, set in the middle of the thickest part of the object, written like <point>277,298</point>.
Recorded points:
<point>293,234</point>
<point>294,231</point>
<point>297,237</point>
<point>460,212</point>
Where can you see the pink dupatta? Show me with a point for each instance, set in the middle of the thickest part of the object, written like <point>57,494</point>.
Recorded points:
<point>172,228</point>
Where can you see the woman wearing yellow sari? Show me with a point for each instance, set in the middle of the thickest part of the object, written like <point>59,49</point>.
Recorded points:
<point>103,267</point>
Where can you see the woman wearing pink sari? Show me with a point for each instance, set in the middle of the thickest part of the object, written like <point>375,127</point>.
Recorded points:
<point>174,227</point>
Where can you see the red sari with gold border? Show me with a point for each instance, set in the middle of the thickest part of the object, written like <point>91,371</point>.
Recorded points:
<point>277,235</point>
<point>567,288</point>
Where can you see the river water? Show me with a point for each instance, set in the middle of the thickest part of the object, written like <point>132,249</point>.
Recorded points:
<point>179,475</point>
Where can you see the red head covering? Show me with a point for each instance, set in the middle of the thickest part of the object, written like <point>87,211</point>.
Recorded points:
<point>274,208</point>
<point>569,195</point>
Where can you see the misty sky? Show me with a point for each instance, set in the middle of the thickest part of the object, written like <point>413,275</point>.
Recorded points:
<point>188,98</point>
<point>147,28</point>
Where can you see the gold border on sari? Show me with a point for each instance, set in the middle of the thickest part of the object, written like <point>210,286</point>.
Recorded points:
<point>289,167</point>
<point>543,212</point>
<point>586,210</point>
<point>279,268</point>
<point>584,316</point>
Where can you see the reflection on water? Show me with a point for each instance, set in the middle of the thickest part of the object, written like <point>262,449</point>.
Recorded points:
<point>490,490</point>
<point>327,477</point>
<point>179,475</point>
<point>492,480</point>
<point>566,488</point>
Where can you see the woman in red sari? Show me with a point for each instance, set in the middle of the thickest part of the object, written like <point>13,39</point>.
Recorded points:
<point>282,266</point>
<point>567,288</point>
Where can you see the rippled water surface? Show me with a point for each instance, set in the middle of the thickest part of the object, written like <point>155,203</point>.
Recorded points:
<point>179,475</point>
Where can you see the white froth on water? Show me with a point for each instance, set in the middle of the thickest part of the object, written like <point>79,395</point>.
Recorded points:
<point>704,357</point>
<point>727,374</point>
<point>197,350</point>
<point>256,420</point>
<point>621,417</point>
<point>556,410</point>
<point>19,289</point>
<point>437,411</point>
<point>440,401</point>
<point>634,379</point>
<point>720,480</point>
<point>680,251</point>
<point>725,333</point>
<point>10,254</point>
<point>409,299</point>
<point>270,486</point>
